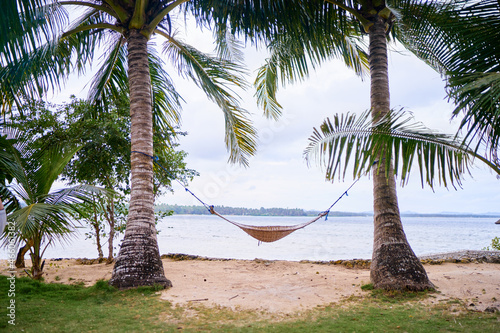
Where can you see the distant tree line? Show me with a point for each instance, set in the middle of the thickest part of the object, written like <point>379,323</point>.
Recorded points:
<point>201,210</point>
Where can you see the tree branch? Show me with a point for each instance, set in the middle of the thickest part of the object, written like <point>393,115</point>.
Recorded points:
<point>95,26</point>
<point>150,28</point>
<point>92,5</point>
<point>139,17</point>
<point>365,22</point>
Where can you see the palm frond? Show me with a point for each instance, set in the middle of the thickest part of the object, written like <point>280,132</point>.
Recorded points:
<point>291,59</point>
<point>348,141</point>
<point>52,162</point>
<point>34,73</point>
<point>228,46</point>
<point>41,218</point>
<point>25,25</point>
<point>262,21</point>
<point>166,100</point>
<point>460,39</point>
<point>47,66</point>
<point>477,95</point>
<point>111,79</point>
<point>213,75</point>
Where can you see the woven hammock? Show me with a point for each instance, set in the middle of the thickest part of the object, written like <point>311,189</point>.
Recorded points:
<point>268,234</point>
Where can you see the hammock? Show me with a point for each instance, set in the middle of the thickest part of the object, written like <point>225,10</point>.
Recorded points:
<point>268,234</point>
<point>265,234</point>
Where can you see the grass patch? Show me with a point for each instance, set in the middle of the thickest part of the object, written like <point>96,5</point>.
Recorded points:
<point>395,296</point>
<point>43,307</point>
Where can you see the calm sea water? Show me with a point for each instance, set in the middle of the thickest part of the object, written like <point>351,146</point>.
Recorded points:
<point>336,238</point>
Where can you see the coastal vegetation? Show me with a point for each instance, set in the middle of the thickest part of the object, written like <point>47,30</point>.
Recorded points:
<point>103,158</point>
<point>41,213</point>
<point>202,210</point>
<point>473,85</point>
<point>226,210</point>
<point>40,48</point>
<point>394,264</point>
<point>102,308</point>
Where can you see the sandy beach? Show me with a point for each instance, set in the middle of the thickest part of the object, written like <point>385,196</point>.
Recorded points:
<point>284,286</point>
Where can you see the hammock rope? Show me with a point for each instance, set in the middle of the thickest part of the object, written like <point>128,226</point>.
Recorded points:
<point>265,234</point>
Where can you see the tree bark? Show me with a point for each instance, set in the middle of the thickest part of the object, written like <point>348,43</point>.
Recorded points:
<point>97,230</point>
<point>110,207</point>
<point>20,263</point>
<point>36,259</point>
<point>138,262</point>
<point>394,264</point>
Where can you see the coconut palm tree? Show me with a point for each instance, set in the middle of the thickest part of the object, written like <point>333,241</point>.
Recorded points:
<point>43,215</point>
<point>394,264</point>
<point>125,27</point>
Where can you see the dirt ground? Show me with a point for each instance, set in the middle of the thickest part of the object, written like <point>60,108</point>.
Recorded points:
<point>283,286</point>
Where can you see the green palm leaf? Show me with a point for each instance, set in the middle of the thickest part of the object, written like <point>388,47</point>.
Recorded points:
<point>212,74</point>
<point>460,39</point>
<point>25,25</point>
<point>166,100</point>
<point>40,218</point>
<point>350,141</point>
<point>292,58</point>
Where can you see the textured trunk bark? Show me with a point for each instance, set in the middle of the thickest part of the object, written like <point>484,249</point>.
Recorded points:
<point>138,262</point>
<point>36,260</point>
<point>97,230</point>
<point>110,207</point>
<point>394,264</point>
<point>20,263</point>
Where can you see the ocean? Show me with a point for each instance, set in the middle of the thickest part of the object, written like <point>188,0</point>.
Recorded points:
<point>333,239</point>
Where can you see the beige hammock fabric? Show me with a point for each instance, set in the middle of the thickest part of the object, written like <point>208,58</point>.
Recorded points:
<point>268,234</point>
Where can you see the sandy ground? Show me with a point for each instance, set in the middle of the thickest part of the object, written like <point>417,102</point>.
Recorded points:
<point>284,286</point>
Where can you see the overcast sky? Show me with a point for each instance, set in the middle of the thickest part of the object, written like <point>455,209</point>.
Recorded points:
<point>278,175</point>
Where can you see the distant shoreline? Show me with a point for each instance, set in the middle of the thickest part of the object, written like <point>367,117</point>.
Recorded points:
<point>463,256</point>
<point>284,212</point>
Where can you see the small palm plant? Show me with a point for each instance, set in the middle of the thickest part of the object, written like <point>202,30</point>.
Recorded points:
<point>44,215</point>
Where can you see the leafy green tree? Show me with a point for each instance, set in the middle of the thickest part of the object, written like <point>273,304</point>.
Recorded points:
<point>105,211</point>
<point>124,29</point>
<point>45,215</point>
<point>103,159</point>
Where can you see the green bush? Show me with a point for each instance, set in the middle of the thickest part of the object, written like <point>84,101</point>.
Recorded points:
<point>495,245</point>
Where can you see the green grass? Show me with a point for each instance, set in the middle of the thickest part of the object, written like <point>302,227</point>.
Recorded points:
<point>42,307</point>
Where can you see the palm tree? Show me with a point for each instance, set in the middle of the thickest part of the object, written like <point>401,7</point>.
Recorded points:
<point>312,27</point>
<point>394,264</point>
<point>460,40</point>
<point>124,28</point>
<point>42,216</point>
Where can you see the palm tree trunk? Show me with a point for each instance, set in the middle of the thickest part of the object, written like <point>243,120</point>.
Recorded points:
<point>20,263</point>
<point>394,264</point>
<point>138,262</point>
